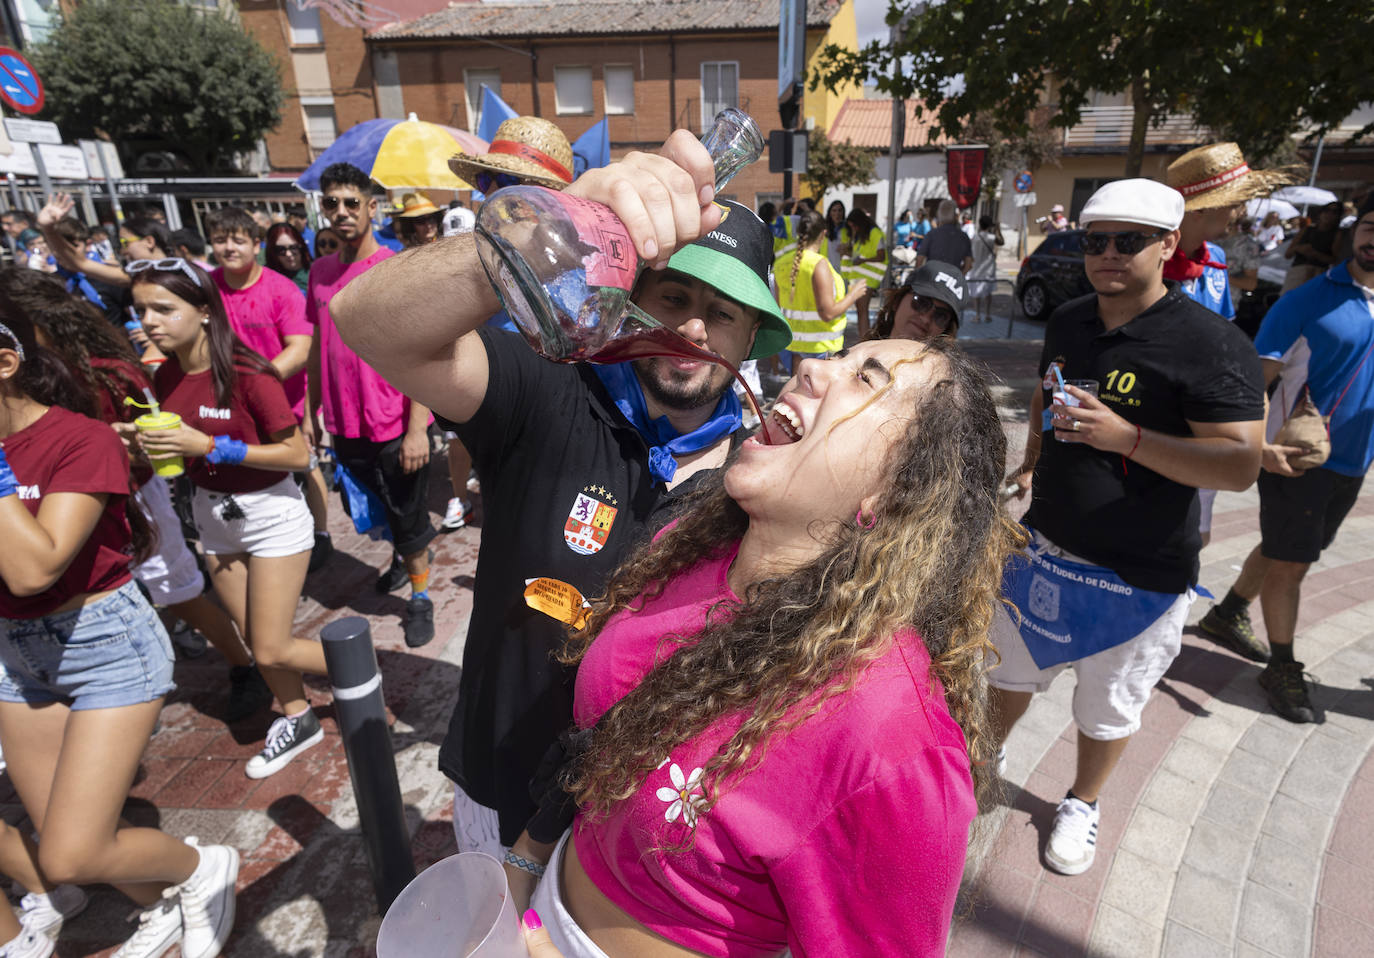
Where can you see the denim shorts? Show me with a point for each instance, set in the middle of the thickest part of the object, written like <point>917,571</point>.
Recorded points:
<point>108,654</point>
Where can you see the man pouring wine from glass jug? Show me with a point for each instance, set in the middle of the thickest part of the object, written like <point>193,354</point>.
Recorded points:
<point>578,461</point>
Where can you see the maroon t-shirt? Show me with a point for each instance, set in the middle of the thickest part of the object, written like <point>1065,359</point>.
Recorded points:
<point>131,381</point>
<point>66,452</point>
<point>257,409</point>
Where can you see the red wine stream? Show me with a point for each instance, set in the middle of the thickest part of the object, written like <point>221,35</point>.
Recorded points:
<point>665,342</point>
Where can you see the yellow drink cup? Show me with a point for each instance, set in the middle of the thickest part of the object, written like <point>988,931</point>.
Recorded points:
<point>167,467</point>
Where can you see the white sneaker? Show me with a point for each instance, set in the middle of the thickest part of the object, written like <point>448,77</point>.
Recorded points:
<point>207,901</point>
<point>159,928</point>
<point>286,739</point>
<point>44,914</point>
<point>28,944</point>
<point>1073,843</point>
<point>456,515</point>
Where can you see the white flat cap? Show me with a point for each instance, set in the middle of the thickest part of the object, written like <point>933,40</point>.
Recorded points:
<point>1142,201</point>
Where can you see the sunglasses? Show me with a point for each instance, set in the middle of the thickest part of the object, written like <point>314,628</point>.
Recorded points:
<point>331,203</point>
<point>491,182</point>
<point>287,248</point>
<point>168,265</point>
<point>1127,242</point>
<point>329,246</point>
<point>924,304</point>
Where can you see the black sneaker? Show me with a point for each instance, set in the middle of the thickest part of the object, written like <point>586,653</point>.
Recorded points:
<point>286,739</point>
<point>1287,691</point>
<point>419,627</point>
<point>247,692</point>
<point>1235,633</point>
<point>187,642</point>
<point>321,552</point>
<point>394,577</point>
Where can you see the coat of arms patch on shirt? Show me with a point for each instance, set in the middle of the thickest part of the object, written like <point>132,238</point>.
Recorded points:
<point>590,520</point>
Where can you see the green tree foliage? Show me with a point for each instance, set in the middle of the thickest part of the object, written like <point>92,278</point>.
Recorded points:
<point>157,74</point>
<point>831,165</point>
<point>1259,72</point>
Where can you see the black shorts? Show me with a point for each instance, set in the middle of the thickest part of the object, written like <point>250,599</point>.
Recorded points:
<point>377,465</point>
<point>1299,516</point>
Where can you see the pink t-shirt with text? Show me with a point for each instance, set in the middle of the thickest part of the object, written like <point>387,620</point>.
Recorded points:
<point>848,839</point>
<point>357,402</point>
<point>263,315</point>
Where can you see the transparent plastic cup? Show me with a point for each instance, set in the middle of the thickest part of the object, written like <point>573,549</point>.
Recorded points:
<point>460,907</point>
<point>1064,398</point>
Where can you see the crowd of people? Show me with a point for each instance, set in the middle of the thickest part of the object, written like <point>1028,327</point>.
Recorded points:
<point>837,595</point>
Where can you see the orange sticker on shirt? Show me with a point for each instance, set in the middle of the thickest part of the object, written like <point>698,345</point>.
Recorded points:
<point>557,600</point>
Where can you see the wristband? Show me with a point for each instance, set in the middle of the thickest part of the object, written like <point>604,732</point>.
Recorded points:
<point>9,485</point>
<point>525,865</point>
<point>226,451</point>
<point>1125,471</point>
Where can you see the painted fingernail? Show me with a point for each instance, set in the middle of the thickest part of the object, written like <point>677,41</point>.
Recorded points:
<point>707,194</point>
<point>650,250</point>
<point>531,920</point>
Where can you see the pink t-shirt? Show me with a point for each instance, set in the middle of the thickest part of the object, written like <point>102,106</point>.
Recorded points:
<point>848,839</point>
<point>357,402</point>
<point>263,315</point>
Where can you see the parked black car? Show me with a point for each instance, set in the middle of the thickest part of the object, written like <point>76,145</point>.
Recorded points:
<point>1052,275</point>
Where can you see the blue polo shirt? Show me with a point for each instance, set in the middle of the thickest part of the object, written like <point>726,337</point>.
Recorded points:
<point>1335,315</point>
<point>1212,289</point>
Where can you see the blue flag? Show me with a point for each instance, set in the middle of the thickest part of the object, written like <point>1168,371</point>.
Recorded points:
<point>592,149</point>
<point>493,111</point>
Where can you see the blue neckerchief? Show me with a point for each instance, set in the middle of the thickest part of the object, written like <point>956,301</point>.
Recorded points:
<point>664,442</point>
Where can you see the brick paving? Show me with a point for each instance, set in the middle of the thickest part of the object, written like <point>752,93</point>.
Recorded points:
<point>1225,830</point>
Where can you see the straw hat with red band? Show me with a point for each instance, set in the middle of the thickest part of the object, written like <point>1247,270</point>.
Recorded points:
<point>525,146</point>
<point>415,205</point>
<point>1217,175</point>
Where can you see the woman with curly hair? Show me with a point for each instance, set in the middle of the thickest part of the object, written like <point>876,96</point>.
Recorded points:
<point>783,695</point>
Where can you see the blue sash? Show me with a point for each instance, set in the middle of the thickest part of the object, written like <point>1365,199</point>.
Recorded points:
<point>1071,610</point>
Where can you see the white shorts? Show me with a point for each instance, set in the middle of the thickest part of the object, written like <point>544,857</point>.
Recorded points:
<point>1205,498</point>
<point>476,828</point>
<point>1112,685</point>
<point>275,521</point>
<point>547,903</point>
<point>170,574</point>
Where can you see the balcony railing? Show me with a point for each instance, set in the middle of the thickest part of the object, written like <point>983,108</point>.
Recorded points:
<point>1109,128</point>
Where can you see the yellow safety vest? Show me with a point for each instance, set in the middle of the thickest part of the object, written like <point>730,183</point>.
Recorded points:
<point>870,273</point>
<point>810,333</point>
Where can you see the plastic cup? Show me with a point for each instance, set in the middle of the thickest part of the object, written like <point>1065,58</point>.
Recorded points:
<point>170,466</point>
<point>1064,398</point>
<point>455,908</point>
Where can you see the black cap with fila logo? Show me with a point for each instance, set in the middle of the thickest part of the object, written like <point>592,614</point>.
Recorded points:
<point>940,281</point>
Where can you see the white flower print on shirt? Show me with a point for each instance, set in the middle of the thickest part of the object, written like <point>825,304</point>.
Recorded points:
<point>684,798</point>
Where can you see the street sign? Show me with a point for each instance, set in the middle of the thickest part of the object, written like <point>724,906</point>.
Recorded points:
<point>64,162</point>
<point>787,151</point>
<point>20,88</point>
<point>92,149</point>
<point>20,163</point>
<point>1023,199</point>
<point>1023,182</point>
<point>32,131</point>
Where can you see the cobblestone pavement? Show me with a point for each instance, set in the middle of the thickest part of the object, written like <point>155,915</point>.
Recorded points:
<point>1225,830</point>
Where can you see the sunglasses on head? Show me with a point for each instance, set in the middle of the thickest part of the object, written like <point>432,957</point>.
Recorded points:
<point>1127,242</point>
<point>168,265</point>
<point>491,182</point>
<point>924,304</point>
<point>331,203</point>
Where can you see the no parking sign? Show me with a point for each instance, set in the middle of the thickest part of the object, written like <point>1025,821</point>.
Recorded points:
<point>20,88</point>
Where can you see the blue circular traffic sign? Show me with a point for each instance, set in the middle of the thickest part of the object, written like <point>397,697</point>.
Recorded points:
<point>1023,182</point>
<point>20,88</point>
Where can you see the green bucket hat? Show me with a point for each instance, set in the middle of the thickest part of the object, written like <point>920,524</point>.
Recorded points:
<point>735,258</point>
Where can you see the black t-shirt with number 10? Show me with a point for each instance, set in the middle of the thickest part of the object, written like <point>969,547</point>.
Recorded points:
<point>1176,362</point>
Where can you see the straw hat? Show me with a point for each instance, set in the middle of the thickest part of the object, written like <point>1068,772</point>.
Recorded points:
<point>415,205</point>
<point>526,146</point>
<point>1217,175</point>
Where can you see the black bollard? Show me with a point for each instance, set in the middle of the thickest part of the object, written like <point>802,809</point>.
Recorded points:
<point>358,704</point>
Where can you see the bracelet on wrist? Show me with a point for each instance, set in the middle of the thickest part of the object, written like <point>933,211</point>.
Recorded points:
<point>525,865</point>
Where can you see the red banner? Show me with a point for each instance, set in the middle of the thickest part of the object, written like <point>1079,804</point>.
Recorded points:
<point>964,171</point>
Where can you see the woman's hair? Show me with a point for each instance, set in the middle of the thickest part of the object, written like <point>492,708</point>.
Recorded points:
<point>77,330</point>
<point>146,228</point>
<point>932,563</point>
<point>905,217</point>
<point>861,222</point>
<point>833,227</point>
<point>277,231</point>
<point>45,378</point>
<point>985,222</point>
<point>227,351</point>
<point>810,227</point>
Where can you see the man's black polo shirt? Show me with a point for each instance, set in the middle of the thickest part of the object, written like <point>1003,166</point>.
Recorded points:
<point>947,243</point>
<point>566,494</point>
<point>1175,362</point>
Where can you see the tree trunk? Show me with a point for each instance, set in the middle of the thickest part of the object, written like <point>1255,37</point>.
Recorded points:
<point>1140,119</point>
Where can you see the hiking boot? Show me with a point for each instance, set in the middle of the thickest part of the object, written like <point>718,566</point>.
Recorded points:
<point>1287,691</point>
<point>419,627</point>
<point>394,577</point>
<point>456,515</point>
<point>321,552</point>
<point>159,928</point>
<point>247,693</point>
<point>1235,633</point>
<point>1073,843</point>
<point>44,914</point>
<point>287,738</point>
<point>207,901</point>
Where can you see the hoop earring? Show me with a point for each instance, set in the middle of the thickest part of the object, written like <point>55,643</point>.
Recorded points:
<point>859,519</point>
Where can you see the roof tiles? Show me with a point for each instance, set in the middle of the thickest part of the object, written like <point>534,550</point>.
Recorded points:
<point>868,123</point>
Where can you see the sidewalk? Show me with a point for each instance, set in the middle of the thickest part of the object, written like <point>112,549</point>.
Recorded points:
<point>1224,831</point>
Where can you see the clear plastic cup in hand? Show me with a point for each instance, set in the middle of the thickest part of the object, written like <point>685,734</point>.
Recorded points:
<point>1063,397</point>
<point>460,907</point>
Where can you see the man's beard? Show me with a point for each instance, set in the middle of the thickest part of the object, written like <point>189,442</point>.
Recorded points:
<point>680,396</point>
<point>1364,259</point>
